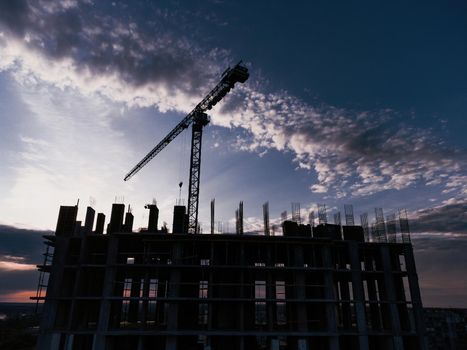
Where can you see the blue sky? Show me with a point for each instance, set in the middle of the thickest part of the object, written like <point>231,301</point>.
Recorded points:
<point>346,103</point>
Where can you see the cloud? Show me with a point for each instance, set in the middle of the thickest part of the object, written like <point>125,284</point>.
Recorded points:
<point>24,280</point>
<point>358,152</point>
<point>15,266</point>
<point>21,246</point>
<point>75,44</point>
<point>446,218</point>
<point>20,251</point>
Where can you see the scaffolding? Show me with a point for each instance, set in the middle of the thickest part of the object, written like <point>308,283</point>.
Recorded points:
<point>391,228</point>
<point>404,226</point>
<point>322,214</point>
<point>44,269</point>
<point>380,228</point>
<point>349,218</point>
<point>296,217</point>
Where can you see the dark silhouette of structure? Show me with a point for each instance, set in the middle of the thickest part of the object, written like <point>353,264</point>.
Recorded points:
<point>446,328</point>
<point>321,287</point>
<point>314,287</point>
<point>198,119</point>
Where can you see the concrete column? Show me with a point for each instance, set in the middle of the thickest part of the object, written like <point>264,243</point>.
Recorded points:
<point>210,291</point>
<point>270,291</point>
<point>48,340</point>
<point>274,344</point>
<point>358,295</point>
<point>417,306</point>
<point>77,288</point>
<point>330,295</point>
<point>69,342</point>
<point>173,292</point>
<point>140,342</point>
<point>372,295</point>
<point>391,297</point>
<point>241,311</point>
<point>133,310</point>
<point>345,307</point>
<point>300,294</point>
<point>99,341</point>
<point>144,316</point>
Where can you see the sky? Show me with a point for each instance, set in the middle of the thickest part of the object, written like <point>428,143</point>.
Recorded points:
<point>361,103</point>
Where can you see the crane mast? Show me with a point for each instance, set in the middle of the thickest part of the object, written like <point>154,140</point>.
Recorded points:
<point>198,119</point>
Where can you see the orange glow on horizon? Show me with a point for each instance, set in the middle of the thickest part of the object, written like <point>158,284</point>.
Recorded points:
<point>21,296</point>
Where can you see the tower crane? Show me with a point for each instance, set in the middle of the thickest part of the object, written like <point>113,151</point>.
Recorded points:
<point>198,119</point>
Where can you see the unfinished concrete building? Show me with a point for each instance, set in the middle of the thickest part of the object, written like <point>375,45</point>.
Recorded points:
<point>323,287</point>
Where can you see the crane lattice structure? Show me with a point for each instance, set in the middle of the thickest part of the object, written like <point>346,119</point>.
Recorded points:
<point>199,119</point>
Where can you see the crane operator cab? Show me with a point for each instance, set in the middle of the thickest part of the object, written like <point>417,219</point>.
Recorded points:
<point>236,74</point>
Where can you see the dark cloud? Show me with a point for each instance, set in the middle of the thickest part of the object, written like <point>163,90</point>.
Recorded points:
<point>18,280</point>
<point>14,15</point>
<point>23,247</point>
<point>27,244</point>
<point>106,45</point>
<point>449,218</point>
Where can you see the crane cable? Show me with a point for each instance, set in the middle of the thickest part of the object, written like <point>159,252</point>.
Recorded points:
<point>181,158</point>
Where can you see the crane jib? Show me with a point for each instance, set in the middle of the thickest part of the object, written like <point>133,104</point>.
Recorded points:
<point>165,141</point>
<point>199,119</point>
<point>229,78</point>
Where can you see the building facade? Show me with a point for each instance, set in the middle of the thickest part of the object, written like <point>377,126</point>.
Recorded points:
<point>311,288</point>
